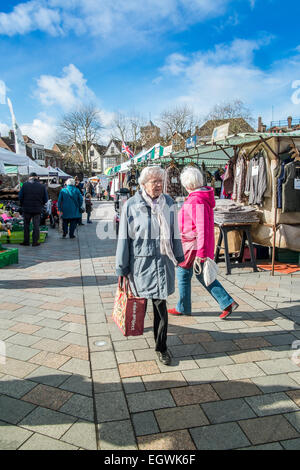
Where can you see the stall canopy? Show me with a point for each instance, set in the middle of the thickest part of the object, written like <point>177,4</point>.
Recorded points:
<point>61,173</point>
<point>52,171</point>
<point>11,158</point>
<point>21,163</point>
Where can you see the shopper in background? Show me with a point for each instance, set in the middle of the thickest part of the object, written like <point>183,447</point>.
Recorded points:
<point>79,186</point>
<point>69,204</point>
<point>196,224</point>
<point>149,248</point>
<point>98,190</point>
<point>33,196</point>
<point>88,207</point>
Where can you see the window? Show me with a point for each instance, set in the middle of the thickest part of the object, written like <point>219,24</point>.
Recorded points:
<point>95,165</point>
<point>92,153</point>
<point>112,150</point>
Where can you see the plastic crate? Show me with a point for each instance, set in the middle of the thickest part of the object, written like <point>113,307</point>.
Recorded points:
<point>287,256</point>
<point>9,256</point>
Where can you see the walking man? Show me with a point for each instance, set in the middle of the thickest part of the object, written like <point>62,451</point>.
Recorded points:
<point>33,196</point>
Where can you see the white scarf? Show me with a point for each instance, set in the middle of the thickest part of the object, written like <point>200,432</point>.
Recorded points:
<point>157,209</point>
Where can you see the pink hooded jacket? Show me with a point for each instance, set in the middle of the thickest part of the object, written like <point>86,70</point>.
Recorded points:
<point>196,225</point>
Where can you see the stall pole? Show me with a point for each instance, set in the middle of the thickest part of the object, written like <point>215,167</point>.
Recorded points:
<point>275,216</point>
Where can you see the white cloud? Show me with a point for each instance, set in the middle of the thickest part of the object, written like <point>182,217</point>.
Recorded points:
<point>229,72</point>
<point>67,91</point>
<point>4,129</point>
<point>42,130</point>
<point>31,16</point>
<point>107,17</point>
<point>2,92</point>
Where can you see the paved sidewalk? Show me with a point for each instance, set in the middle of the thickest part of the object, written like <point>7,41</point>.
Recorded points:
<point>232,384</point>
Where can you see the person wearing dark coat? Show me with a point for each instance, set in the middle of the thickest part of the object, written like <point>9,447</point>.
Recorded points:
<point>32,196</point>
<point>79,186</point>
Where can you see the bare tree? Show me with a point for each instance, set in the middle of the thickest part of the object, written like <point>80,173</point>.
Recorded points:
<point>127,128</point>
<point>180,119</point>
<point>230,110</point>
<point>79,129</point>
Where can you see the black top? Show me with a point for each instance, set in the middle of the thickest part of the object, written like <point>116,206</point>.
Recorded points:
<point>33,196</point>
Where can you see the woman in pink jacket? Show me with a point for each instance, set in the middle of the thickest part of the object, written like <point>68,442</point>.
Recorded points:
<point>196,224</point>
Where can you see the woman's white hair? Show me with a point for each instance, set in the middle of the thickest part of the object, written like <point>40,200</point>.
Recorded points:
<point>70,182</point>
<point>150,172</point>
<point>191,178</point>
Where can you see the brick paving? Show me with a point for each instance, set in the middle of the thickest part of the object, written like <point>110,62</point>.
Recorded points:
<point>233,384</point>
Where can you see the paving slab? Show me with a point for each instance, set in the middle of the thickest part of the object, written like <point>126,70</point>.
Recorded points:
<point>116,436</point>
<point>40,442</point>
<point>227,410</point>
<point>270,404</point>
<point>268,429</point>
<point>219,437</point>
<point>12,437</point>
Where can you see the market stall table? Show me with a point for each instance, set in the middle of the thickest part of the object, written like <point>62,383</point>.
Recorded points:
<point>245,228</point>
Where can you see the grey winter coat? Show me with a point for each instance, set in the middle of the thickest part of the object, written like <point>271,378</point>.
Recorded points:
<point>138,250</point>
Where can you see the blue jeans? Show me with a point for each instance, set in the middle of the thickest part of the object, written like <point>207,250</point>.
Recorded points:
<point>184,278</point>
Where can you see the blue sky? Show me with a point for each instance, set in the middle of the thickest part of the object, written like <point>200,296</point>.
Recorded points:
<point>145,56</point>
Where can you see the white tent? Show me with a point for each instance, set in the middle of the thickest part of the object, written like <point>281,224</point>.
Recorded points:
<point>52,171</point>
<point>11,158</point>
<point>25,164</point>
<point>32,167</point>
<point>61,173</point>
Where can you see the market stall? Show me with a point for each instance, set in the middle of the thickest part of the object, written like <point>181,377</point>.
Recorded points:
<point>264,173</point>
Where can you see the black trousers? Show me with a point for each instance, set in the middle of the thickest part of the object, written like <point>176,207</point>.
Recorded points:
<point>160,325</point>
<point>73,224</point>
<point>36,227</point>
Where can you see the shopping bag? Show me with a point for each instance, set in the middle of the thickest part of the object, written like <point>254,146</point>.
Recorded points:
<point>210,271</point>
<point>129,311</point>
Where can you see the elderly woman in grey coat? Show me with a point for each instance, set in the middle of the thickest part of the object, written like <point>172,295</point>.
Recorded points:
<point>149,248</point>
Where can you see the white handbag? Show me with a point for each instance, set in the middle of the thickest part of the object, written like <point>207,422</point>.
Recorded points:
<point>210,271</point>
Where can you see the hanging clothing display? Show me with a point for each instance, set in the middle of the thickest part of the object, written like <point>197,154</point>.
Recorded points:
<point>279,178</point>
<point>239,183</point>
<point>132,180</point>
<point>172,184</point>
<point>256,181</point>
<point>291,187</point>
<point>223,194</point>
<point>229,177</point>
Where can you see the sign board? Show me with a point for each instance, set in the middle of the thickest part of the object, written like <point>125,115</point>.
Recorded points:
<point>219,133</point>
<point>191,142</point>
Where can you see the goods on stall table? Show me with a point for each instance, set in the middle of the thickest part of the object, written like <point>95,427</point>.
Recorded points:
<point>18,237</point>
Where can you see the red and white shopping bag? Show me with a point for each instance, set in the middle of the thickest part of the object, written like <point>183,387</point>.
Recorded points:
<point>129,311</point>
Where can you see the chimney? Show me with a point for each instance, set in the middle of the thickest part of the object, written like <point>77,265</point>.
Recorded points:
<point>259,125</point>
<point>289,120</point>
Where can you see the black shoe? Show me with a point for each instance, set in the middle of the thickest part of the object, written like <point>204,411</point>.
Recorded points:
<point>64,235</point>
<point>36,244</point>
<point>164,357</point>
<point>80,224</point>
<point>73,236</point>
<point>25,244</point>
